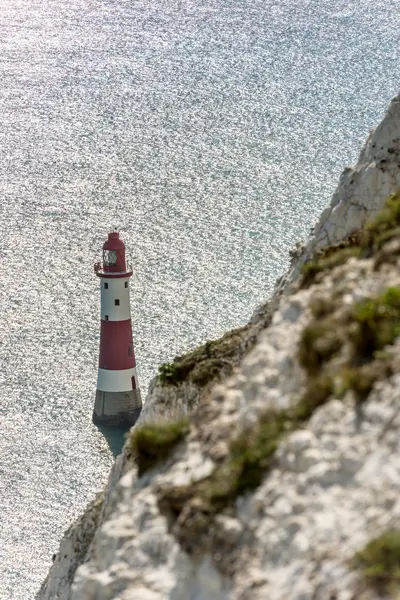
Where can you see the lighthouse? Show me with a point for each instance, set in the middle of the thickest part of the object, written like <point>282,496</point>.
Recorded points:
<point>118,402</point>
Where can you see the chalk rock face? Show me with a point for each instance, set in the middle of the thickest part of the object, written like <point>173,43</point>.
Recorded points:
<point>362,190</point>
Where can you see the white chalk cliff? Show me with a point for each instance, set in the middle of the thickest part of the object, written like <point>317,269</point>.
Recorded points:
<point>333,481</point>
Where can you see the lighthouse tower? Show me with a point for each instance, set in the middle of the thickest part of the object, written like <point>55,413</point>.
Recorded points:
<point>118,402</point>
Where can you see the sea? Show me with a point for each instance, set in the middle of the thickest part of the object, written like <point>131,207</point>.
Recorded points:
<point>210,133</point>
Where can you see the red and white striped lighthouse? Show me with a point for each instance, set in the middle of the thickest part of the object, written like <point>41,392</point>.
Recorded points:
<point>118,401</point>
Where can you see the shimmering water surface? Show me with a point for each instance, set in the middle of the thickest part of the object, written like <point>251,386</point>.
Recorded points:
<point>212,132</point>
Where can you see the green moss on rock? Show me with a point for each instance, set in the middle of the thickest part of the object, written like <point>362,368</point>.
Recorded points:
<point>207,370</point>
<point>318,343</point>
<point>348,345</point>
<point>151,443</point>
<point>193,508</point>
<point>376,323</point>
<point>205,363</point>
<point>380,562</point>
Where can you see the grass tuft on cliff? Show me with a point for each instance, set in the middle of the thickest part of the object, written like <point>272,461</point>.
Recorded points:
<point>318,343</point>
<point>380,561</point>
<point>376,323</point>
<point>205,363</point>
<point>151,443</point>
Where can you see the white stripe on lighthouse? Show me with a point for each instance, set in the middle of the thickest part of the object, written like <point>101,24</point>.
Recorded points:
<point>116,290</point>
<point>116,381</point>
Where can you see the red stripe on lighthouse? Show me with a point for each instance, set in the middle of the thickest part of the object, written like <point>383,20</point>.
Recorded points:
<point>116,346</point>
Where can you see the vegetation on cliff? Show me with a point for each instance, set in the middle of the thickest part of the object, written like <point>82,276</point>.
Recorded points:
<point>152,443</point>
<point>380,562</point>
<point>346,346</point>
<point>202,365</point>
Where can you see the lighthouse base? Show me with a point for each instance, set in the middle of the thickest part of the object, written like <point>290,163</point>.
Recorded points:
<point>117,409</point>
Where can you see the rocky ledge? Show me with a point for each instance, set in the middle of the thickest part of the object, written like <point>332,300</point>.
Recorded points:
<point>265,465</point>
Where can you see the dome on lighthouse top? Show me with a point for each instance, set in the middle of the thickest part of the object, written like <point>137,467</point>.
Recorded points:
<point>113,242</point>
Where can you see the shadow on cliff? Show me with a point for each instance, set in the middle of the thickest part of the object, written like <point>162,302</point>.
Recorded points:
<point>115,437</point>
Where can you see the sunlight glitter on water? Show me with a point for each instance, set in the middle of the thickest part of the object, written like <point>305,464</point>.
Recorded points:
<point>212,133</point>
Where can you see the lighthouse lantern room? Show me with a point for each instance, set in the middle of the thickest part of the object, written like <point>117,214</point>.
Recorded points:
<point>118,402</point>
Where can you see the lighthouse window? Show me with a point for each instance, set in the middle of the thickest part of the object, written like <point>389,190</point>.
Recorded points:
<point>106,317</point>
<point>126,284</point>
<point>110,257</point>
<point>130,349</point>
<point>105,285</point>
<point>116,302</point>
